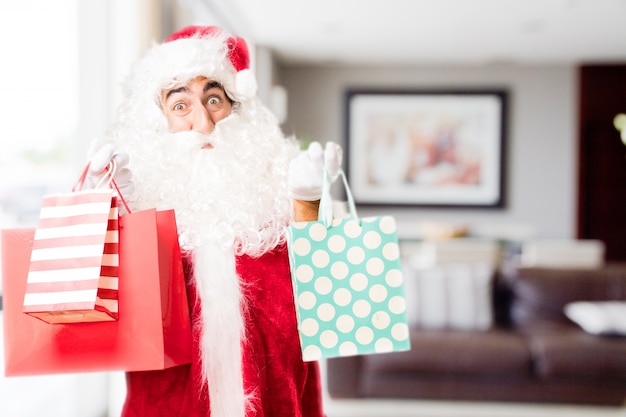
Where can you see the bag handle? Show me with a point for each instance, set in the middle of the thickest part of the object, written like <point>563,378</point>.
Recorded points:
<point>325,213</point>
<point>81,180</point>
<point>119,193</point>
<point>106,179</point>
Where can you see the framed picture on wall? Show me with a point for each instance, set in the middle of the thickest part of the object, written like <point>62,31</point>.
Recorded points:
<point>426,148</point>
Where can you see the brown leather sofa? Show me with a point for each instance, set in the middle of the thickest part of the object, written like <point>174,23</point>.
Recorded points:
<point>531,353</point>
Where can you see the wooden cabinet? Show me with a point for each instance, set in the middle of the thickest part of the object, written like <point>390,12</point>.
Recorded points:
<point>602,158</point>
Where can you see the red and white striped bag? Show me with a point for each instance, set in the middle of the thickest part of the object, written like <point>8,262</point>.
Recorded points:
<point>73,272</point>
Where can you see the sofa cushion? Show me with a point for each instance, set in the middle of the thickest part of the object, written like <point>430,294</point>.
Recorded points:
<point>601,317</point>
<point>450,296</point>
<point>573,353</point>
<point>492,352</point>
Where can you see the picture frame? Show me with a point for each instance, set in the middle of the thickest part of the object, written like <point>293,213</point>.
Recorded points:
<point>431,148</point>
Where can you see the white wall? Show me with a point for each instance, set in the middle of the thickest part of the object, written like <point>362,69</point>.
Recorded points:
<point>541,145</point>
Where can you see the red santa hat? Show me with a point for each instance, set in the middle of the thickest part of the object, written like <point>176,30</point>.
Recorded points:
<point>191,52</point>
<point>238,54</point>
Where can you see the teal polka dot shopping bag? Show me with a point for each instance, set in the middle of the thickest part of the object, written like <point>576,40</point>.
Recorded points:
<point>348,283</point>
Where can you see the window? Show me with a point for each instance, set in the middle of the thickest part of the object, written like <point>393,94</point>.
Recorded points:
<point>39,105</point>
<point>40,153</point>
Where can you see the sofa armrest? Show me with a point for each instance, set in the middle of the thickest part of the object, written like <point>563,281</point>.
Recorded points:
<point>539,295</point>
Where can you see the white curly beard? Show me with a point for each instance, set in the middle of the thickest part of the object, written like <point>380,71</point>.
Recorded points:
<point>235,192</point>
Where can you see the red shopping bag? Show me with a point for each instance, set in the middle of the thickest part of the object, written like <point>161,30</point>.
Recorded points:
<point>153,330</point>
<point>73,273</point>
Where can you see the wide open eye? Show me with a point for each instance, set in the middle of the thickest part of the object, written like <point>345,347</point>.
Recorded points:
<point>214,101</point>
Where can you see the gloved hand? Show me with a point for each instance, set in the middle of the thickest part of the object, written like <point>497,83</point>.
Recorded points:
<point>122,175</point>
<point>306,173</point>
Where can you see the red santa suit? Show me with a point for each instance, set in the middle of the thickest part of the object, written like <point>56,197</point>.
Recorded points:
<point>272,366</point>
<point>232,205</point>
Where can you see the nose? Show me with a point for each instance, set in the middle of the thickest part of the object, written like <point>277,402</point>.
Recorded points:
<point>201,120</point>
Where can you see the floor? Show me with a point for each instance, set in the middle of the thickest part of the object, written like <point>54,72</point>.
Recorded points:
<point>461,409</point>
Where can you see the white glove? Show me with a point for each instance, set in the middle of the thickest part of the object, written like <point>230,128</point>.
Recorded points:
<point>306,173</point>
<point>122,175</point>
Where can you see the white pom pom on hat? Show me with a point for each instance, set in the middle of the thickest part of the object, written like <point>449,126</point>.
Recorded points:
<point>238,54</point>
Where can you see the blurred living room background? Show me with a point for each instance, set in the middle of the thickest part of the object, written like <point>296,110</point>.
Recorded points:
<point>560,164</point>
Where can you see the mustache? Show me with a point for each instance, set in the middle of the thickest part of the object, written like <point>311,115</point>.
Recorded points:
<point>190,140</point>
<point>194,140</point>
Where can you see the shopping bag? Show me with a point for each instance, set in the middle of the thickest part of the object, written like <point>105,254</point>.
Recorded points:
<point>153,330</point>
<point>73,273</point>
<point>348,284</point>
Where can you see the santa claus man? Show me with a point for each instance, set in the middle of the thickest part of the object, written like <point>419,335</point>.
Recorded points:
<point>198,140</point>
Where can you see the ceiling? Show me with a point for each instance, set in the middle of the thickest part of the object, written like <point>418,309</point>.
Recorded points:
<point>409,32</point>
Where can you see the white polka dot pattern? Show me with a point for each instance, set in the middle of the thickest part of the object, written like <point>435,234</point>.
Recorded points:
<point>348,287</point>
